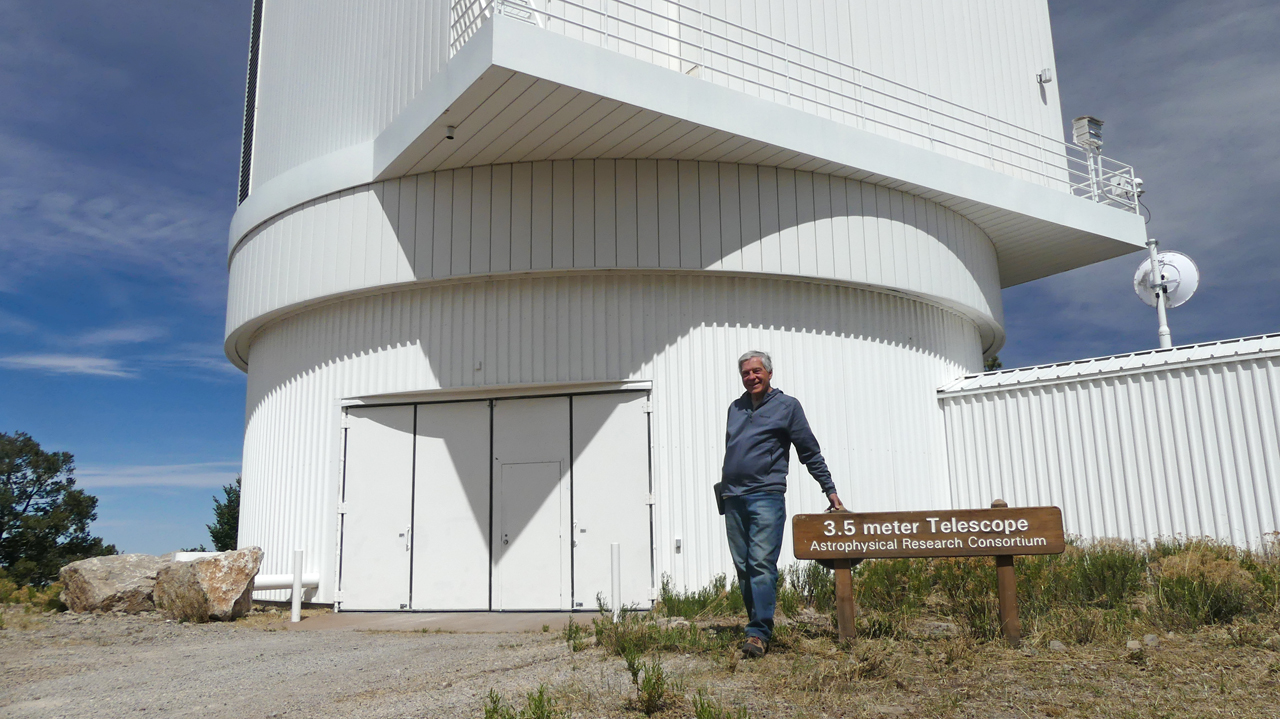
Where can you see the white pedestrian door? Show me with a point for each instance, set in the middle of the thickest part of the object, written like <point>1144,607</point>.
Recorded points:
<point>531,504</point>
<point>376,519</point>
<point>610,497</point>
<point>451,507</point>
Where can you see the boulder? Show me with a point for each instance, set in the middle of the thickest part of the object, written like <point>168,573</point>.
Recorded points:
<point>119,583</point>
<point>218,587</point>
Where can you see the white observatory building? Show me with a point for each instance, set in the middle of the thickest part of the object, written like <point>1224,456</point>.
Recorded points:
<point>494,262</point>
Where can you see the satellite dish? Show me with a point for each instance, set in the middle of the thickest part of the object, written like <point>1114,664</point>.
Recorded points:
<point>1180,275</point>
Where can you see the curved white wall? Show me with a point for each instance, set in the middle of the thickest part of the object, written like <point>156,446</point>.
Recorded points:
<point>865,364</point>
<point>612,214</point>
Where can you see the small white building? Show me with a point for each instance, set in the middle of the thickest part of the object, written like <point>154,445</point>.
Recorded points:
<point>1180,441</point>
<point>494,262</point>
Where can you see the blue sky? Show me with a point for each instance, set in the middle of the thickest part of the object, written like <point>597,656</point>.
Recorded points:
<point>119,147</point>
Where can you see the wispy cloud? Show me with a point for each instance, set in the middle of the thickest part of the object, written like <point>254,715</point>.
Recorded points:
<point>1188,92</point>
<point>67,364</point>
<point>120,335</point>
<point>15,325</point>
<point>206,358</point>
<point>202,474</point>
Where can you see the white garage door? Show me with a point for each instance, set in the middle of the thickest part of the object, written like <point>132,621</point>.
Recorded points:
<point>508,504</point>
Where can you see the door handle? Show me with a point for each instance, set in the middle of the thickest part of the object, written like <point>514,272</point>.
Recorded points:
<point>408,538</point>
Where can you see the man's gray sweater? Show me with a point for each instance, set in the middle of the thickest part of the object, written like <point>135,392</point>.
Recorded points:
<point>757,446</point>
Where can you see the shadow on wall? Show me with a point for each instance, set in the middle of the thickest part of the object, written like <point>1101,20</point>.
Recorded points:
<point>681,329</point>
<point>668,214</point>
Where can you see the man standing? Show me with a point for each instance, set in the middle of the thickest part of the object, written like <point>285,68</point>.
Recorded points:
<point>763,425</point>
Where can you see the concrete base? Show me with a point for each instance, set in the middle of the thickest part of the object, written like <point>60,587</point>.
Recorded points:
<point>479,622</point>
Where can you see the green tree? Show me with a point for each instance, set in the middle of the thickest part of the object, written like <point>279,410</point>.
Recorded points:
<point>44,519</point>
<point>225,529</point>
<point>992,363</point>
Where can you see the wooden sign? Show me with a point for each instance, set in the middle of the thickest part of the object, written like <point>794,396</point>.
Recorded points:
<point>942,533</point>
<point>845,538</point>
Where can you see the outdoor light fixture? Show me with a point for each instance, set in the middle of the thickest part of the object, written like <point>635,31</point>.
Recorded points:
<point>1045,77</point>
<point>1086,131</point>
<point>448,132</point>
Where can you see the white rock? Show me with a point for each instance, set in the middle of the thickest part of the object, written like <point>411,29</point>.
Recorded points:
<point>123,582</point>
<point>1134,645</point>
<point>1057,646</point>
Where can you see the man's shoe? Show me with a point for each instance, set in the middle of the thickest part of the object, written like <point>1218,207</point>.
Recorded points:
<point>753,648</point>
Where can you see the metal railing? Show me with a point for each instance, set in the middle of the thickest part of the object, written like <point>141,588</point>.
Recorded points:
<point>673,35</point>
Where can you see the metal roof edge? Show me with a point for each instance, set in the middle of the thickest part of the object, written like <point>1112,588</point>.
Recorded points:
<point>1269,345</point>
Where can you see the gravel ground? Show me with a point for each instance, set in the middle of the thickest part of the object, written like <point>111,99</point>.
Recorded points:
<point>70,665</point>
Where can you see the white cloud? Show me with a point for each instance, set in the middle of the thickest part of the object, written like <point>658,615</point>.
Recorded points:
<point>206,357</point>
<point>120,335</point>
<point>201,474</point>
<point>59,212</point>
<point>67,364</point>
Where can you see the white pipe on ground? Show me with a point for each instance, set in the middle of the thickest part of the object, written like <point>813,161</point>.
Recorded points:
<point>295,614</point>
<point>265,582</point>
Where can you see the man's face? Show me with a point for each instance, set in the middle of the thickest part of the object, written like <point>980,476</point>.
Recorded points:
<point>755,378</point>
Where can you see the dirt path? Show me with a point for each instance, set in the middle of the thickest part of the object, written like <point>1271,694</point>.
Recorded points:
<point>70,665</point>
<point>114,666</point>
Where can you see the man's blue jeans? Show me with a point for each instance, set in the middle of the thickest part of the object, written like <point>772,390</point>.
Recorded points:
<point>754,523</point>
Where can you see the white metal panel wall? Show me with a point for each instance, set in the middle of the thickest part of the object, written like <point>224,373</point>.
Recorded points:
<point>1191,450</point>
<point>863,363</point>
<point>334,73</point>
<point>598,214</point>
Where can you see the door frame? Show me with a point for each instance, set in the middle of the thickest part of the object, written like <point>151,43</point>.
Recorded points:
<point>493,395</point>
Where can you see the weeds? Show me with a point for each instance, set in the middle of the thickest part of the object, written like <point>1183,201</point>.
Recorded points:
<point>652,692</point>
<point>575,636</point>
<point>716,599</point>
<point>537,705</point>
<point>704,707</point>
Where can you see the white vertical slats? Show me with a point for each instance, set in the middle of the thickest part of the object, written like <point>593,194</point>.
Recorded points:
<point>1190,447</point>
<point>597,214</point>
<point>863,363</point>
<point>333,74</point>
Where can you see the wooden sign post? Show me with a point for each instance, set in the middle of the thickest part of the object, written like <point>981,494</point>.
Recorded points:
<point>846,538</point>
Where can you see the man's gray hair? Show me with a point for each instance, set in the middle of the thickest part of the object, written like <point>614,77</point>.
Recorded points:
<point>757,354</point>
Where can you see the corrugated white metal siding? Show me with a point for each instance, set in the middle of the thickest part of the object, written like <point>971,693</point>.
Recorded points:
<point>1191,447</point>
<point>864,364</point>
<point>332,73</point>
<point>607,214</point>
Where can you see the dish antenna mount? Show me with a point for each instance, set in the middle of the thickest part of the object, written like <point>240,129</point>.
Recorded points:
<point>1174,283</point>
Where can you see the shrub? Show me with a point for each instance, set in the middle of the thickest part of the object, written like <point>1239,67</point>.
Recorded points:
<point>967,585</point>
<point>574,636</point>
<point>537,705</point>
<point>719,598</point>
<point>1199,587</point>
<point>891,585</point>
<point>813,584</point>
<point>652,692</point>
<point>636,636</point>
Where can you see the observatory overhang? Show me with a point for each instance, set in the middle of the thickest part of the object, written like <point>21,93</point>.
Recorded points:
<point>516,92</point>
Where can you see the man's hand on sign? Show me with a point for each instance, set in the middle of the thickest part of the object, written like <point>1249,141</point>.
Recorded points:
<point>836,504</point>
